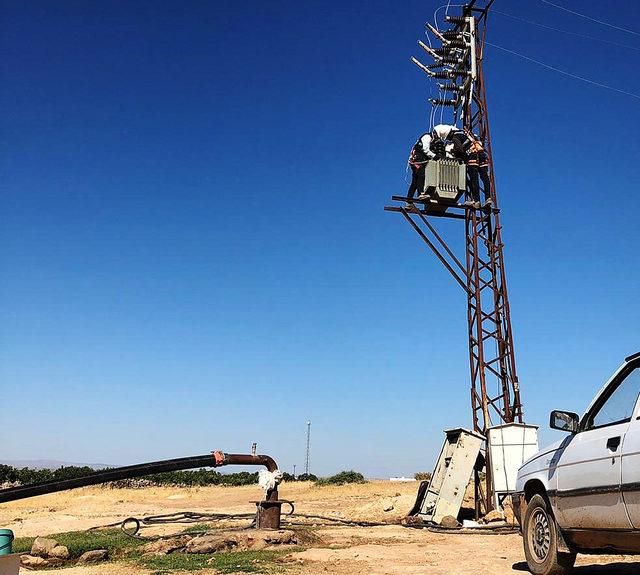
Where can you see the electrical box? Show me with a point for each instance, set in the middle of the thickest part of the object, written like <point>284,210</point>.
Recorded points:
<point>448,485</point>
<point>510,445</point>
<point>445,179</point>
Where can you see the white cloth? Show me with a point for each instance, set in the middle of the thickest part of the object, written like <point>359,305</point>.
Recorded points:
<point>425,140</point>
<point>269,480</point>
<point>443,131</point>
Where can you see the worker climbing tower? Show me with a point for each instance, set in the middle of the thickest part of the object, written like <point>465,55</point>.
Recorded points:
<point>456,68</point>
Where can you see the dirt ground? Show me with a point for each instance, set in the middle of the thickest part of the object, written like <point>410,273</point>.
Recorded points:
<point>386,550</point>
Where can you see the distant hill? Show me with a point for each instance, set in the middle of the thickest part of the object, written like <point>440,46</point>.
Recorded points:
<point>48,464</point>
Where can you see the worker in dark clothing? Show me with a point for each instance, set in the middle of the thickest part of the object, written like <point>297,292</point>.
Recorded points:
<point>468,148</point>
<point>418,158</point>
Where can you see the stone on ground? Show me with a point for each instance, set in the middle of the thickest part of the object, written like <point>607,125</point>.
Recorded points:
<point>33,562</point>
<point>241,540</point>
<point>166,546</point>
<point>449,522</point>
<point>43,546</point>
<point>94,556</point>
<point>492,516</point>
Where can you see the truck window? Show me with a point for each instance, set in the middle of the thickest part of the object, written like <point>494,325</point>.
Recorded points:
<point>619,406</point>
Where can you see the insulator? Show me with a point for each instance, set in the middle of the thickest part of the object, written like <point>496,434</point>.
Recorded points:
<point>433,53</point>
<point>436,32</point>
<point>457,44</point>
<point>449,74</point>
<point>456,19</point>
<point>452,35</point>
<point>423,67</point>
<point>452,61</point>
<point>443,102</point>
<point>444,51</point>
<point>450,88</point>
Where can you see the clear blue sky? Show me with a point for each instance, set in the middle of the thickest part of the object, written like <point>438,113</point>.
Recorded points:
<point>194,252</point>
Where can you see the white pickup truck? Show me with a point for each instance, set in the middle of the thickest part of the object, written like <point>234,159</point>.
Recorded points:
<point>582,494</point>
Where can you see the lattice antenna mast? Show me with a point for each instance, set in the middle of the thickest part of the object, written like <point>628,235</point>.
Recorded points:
<point>458,68</point>
<point>308,452</point>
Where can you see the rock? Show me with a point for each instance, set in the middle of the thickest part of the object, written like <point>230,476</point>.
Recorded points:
<point>493,516</point>
<point>509,515</point>
<point>211,544</point>
<point>388,505</point>
<point>94,556</point>
<point>166,546</point>
<point>42,547</point>
<point>59,552</point>
<point>449,522</point>
<point>265,537</point>
<point>250,539</point>
<point>411,520</point>
<point>33,562</point>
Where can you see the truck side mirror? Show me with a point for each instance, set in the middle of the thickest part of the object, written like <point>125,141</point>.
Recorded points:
<point>565,421</point>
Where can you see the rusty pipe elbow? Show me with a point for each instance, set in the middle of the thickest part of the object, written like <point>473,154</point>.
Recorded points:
<point>242,459</point>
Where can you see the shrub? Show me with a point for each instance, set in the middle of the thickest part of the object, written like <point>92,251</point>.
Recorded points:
<point>307,477</point>
<point>342,478</point>
<point>199,478</point>
<point>422,476</point>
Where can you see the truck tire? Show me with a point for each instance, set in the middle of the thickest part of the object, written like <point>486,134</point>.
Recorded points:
<point>540,536</point>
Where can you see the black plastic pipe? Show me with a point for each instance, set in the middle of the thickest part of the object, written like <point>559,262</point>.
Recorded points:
<point>215,459</point>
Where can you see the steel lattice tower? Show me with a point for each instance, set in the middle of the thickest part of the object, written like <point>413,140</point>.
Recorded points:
<point>308,451</point>
<point>495,391</point>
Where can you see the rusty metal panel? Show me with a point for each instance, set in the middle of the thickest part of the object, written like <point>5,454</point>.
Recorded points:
<point>451,476</point>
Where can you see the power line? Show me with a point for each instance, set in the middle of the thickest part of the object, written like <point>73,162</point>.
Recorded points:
<point>565,73</point>
<point>579,14</point>
<point>571,33</point>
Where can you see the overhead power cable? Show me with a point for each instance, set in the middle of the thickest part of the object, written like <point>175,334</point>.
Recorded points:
<point>569,32</point>
<point>565,73</point>
<point>590,18</point>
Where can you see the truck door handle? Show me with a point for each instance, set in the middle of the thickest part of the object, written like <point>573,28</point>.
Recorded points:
<point>613,443</point>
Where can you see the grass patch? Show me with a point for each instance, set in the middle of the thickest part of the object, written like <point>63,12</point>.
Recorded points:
<point>116,542</point>
<point>230,562</point>
<point>121,547</point>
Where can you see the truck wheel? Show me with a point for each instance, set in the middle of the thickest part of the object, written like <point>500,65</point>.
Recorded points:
<point>540,537</point>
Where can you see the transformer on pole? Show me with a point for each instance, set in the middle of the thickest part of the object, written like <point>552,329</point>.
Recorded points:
<point>457,66</point>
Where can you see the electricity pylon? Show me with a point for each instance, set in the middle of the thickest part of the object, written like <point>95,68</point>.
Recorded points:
<point>457,67</point>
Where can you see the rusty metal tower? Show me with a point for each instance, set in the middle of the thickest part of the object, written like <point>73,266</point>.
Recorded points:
<point>457,66</point>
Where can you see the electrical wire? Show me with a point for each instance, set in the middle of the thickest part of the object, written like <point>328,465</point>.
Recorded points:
<point>131,526</point>
<point>590,18</point>
<point>569,32</point>
<point>565,73</point>
<point>488,530</point>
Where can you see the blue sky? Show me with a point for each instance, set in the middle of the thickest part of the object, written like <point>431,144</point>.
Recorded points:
<point>194,252</point>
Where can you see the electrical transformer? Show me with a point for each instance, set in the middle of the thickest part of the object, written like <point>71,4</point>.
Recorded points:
<point>445,179</point>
